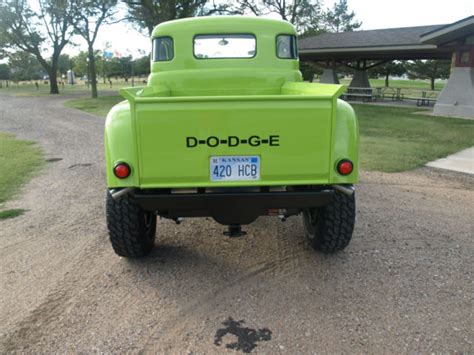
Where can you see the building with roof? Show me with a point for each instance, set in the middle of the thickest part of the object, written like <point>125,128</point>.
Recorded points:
<point>369,48</point>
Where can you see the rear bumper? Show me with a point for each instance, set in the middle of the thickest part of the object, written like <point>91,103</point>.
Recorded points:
<point>231,206</point>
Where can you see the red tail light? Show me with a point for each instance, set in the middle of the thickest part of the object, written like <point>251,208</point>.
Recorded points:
<point>345,167</point>
<point>122,170</point>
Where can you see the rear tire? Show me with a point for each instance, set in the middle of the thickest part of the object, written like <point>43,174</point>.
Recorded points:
<point>131,229</point>
<point>329,228</point>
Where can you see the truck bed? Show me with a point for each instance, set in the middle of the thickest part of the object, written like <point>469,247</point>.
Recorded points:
<point>290,130</point>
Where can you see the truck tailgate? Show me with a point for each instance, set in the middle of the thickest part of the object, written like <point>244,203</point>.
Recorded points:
<point>289,134</point>
<point>176,138</point>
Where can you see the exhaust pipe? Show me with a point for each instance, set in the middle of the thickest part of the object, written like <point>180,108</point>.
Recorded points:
<point>117,194</point>
<point>345,189</point>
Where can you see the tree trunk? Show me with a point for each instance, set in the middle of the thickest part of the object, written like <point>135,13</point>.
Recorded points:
<point>432,84</point>
<point>53,83</point>
<point>51,69</point>
<point>386,79</point>
<point>92,72</point>
<point>53,79</point>
<point>53,74</point>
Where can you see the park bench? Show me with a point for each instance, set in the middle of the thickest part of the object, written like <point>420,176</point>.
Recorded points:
<point>355,93</point>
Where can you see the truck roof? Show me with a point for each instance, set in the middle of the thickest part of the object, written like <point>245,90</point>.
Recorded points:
<point>227,24</point>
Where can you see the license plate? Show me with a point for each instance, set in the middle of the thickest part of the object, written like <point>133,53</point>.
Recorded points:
<point>235,168</point>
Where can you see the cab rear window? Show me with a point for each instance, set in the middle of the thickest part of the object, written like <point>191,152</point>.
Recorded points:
<point>163,49</point>
<point>220,46</point>
<point>286,47</point>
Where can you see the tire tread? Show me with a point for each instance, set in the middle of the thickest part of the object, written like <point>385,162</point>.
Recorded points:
<point>127,231</point>
<point>335,225</point>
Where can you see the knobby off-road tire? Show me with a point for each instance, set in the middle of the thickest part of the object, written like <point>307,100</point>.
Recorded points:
<point>131,229</point>
<point>329,228</point>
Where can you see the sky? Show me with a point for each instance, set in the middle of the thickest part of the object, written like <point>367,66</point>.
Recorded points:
<point>374,14</point>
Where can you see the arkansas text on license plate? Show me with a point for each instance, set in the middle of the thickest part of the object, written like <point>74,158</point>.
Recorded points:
<point>235,168</point>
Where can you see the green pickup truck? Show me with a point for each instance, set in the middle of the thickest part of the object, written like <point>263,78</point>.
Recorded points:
<point>227,128</point>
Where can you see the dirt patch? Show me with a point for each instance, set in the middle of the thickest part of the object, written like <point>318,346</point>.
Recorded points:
<point>403,285</point>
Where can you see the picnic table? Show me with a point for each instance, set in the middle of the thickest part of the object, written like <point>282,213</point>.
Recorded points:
<point>354,93</point>
<point>393,93</point>
<point>422,97</point>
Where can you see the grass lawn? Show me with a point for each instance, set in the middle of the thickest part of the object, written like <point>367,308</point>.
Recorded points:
<point>99,106</point>
<point>19,161</point>
<point>15,212</point>
<point>28,88</point>
<point>392,139</point>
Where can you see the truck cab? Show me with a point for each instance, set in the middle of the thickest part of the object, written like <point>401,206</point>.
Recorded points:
<point>226,128</point>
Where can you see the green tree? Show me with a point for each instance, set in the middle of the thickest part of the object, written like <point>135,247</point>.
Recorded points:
<point>309,69</point>
<point>111,68</point>
<point>4,74</point>
<point>65,62</point>
<point>80,64</point>
<point>388,69</point>
<point>115,67</point>
<point>3,45</point>
<point>305,15</point>
<point>24,66</point>
<point>88,16</point>
<point>340,19</point>
<point>142,65</point>
<point>146,14</point>
<point>428,69</point>
<point>104,64</point>
<point>125,67</point>
<point>42,31</point>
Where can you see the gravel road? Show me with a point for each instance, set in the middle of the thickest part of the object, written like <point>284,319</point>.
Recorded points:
<point>404,285</point>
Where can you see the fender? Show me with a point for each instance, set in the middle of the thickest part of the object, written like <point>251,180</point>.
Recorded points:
<point>120,145</point>
<point>345,142</point>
